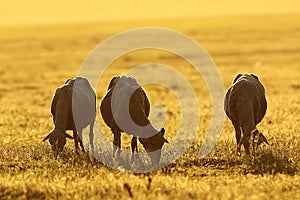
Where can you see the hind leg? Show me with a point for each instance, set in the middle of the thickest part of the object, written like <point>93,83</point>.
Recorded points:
<point>116,142</point>
<point>80,140</point>
<point>75,136</point>
<point>91,136</point>
<point>254,138</point>
<point>133,147</point>
<point>246,146</point>
<point>238,138</point>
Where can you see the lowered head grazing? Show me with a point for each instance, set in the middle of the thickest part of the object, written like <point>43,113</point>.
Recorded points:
<point>153,145</point>
<point>57,139</point>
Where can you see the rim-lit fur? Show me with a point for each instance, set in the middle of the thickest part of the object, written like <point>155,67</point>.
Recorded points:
<point>139,108</point>
<point>73,108</point>
<point>245,105</point>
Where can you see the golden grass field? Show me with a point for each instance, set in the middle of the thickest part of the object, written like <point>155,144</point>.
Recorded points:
<point>35,60</point>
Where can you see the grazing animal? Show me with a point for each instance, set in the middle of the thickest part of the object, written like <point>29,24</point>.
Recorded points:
<point>73,108</point>
<point>139,108</point>
<point>245,105</point>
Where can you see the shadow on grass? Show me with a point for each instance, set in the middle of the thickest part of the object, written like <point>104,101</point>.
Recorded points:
<point>19,192</point>
<point>268,162</point>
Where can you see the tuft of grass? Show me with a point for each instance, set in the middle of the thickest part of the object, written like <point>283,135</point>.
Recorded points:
<point>269,162</point>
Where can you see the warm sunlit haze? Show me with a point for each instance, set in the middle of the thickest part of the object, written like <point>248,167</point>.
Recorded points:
<point>31,12</point>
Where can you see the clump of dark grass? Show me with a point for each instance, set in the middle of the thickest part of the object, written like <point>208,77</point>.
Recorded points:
<point>270,162</point>
<point>223,159</point>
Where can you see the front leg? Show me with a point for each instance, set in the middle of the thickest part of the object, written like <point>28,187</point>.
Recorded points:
<point>116,142</point>
<point>80,140</point>
<point>133,147</point>
<point>246,146</point>
<point>75,136</point>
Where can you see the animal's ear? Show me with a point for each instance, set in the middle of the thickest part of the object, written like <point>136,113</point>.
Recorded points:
<point>262,139</point>
<point>67,80</point>
<point>112,82</point>
<point>162,132</point>
<point>47,137</point>
<point>237,77</point>
<point>69,136</point>
<point>254,76</point>
<point>255,132</point>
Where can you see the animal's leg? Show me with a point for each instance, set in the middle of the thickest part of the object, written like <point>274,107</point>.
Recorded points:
<point>254,137</point>
<point>80,140</point>
<point>116,142</point>
<point>246,146</point>
<point>75,140</point>
<point>133,147</point>
<point>91,135</point>
<point>238,138</point>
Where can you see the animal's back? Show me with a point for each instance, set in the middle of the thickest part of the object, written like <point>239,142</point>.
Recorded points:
<point>246,94</point>
<point>75,101</point>
<point>61,107</point>
<point>83,103</point>
<point>139,106</point>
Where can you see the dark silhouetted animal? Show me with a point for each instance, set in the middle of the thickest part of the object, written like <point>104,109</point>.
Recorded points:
<point>139,108</point>
<point>73,108</point>
<point>245,105</point>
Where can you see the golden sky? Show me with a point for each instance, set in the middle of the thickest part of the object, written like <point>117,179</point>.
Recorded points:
<point>27,12</point>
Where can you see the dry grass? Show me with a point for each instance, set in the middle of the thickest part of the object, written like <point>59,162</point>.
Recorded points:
<point>36,60</point>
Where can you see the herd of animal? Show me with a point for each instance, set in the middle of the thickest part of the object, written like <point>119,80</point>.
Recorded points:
<point>74,108</point>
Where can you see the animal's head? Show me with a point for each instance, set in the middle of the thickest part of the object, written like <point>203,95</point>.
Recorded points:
<point>57,139</point>
<point>256,138</point>
<point>154,144</point>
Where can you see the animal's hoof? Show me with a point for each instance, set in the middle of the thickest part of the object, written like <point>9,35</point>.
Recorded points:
<point>92,151</point>
<point>118,153</point>
<point>132,159</point>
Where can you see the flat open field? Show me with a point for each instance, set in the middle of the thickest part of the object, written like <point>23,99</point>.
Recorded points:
<point>35,60</point>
